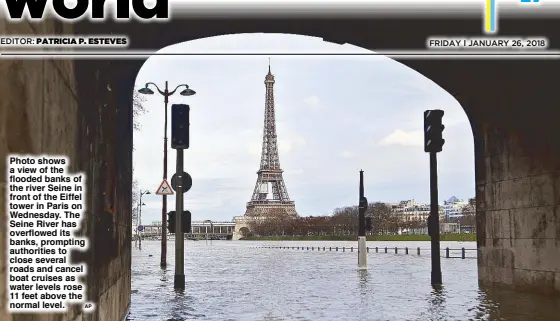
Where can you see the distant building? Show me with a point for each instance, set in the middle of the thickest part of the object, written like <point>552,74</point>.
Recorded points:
<point>444,228</point>
<point>453,208</point>
<point>411,210</point>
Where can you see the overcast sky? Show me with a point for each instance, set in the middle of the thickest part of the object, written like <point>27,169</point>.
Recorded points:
<point>335,115</point>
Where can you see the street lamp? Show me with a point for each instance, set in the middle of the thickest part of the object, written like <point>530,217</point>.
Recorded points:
<point>211,230</point>
<point>140,204</point>
<point>165,93</point>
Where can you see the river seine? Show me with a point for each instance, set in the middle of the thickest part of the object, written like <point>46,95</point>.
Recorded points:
<point>243,280</point>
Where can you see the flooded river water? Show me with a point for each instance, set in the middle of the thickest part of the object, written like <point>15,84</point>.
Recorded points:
<point>244,280</point>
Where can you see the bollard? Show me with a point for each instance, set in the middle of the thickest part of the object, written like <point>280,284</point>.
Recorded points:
<point>308,248</point>
<point>385,249</point>
<point>343,249</point>
<point>367,248</point>
<point>418,250</point>
<point>337,248</point>
<point>376,249</point>
<point>323,248</point>
<point>352,249</point>
<point>396,250</point>
<point>312,248</point>
<point>463,253</point>
<point>406,250</point>
<point>330,248</point>
<point>446,252</point>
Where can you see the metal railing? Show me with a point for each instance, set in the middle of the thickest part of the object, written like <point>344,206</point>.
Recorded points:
<point>404,250</point>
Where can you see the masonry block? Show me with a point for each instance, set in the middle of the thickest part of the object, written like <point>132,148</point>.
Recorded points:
<point>535,222</point>
<point>542,189</point>
<point>499,224</point>
<point>534,281</point>
<point>537,254</point>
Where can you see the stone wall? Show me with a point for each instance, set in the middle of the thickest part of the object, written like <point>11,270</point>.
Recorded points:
<point>517,178</point>
<point>40,114</point>
<point>518,198</point>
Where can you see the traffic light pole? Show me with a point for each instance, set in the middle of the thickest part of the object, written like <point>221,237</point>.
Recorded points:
<point>362,252</point>
<point>433,222</point>
<point>179,283</point>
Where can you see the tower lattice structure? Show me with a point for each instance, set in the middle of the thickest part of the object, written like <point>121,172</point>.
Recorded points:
<point>269,174</point>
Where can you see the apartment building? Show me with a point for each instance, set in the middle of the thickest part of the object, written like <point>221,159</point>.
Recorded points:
<point>453,207</point>
<point>411,210</point>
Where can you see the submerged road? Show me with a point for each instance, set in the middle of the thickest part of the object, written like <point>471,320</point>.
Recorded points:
<point>229,280</point>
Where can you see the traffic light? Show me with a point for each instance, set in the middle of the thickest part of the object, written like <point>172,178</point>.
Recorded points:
<point>433,128</point>
<point>363,205</point>
<point>185,222</point>
<point>171,221</point>
<point>369,224</point>
<point>180,126</point>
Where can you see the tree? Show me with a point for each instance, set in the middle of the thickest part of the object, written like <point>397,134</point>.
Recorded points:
<point>137,110</point>
<point>380,214</point>
<point>468,212</point>
<point>345,220</point>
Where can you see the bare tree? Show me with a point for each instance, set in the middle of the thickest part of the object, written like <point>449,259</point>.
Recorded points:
<point>380,214</point>
<point>468,212</point>
<point>345,220</point>
<point>137,110</point>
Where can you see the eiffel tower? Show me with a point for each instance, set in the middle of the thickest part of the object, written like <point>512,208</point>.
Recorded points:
<point>269,174</point>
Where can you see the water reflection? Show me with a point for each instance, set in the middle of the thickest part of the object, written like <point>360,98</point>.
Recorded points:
<point>364,277</point>
<point>231,281</point>
<point>503,304</point>
<point>436,307</point>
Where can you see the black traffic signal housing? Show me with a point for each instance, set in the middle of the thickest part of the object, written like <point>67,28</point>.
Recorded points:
<point>363,205</point>
<point>433,129</point>
<point>185,222</point>
<point>180,126</point>
<point>171,221</point>
<point>369,224</point>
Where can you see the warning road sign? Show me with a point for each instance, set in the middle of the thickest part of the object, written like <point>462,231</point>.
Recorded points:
<point>164,188</point>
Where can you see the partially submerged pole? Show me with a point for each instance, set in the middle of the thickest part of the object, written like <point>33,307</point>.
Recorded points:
<point>362,251</point>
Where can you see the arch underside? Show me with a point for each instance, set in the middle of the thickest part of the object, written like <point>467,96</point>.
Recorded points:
<point>509,103</point>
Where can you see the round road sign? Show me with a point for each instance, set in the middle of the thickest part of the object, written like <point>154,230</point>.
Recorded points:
<point>187,182</point>
<point>140,227</point>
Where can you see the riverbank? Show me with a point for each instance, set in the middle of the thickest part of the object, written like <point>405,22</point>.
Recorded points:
<point>393,238</point>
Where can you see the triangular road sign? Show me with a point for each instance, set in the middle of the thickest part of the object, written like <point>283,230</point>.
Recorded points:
<point>164,188</point>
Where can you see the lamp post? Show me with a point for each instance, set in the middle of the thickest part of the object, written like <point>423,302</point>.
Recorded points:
<point>140,204</point>
<point>135,223</point>
<point>211,230</point>
<point>165,93</point>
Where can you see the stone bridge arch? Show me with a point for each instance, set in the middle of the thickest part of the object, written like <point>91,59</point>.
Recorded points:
<point>512,107</point>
